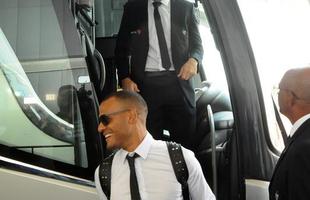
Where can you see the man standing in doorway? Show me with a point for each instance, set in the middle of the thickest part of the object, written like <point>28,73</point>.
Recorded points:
<point>291,177</point>
<point>158,51</point>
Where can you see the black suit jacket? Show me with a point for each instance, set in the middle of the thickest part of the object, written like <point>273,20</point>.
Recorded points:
<point>291,177</point>
<point>133,41</point>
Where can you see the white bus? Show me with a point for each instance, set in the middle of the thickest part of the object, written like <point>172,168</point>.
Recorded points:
<point>57,64</point>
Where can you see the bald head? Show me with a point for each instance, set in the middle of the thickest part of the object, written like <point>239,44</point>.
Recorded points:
<point>294,95</point>
<point>298,81</point>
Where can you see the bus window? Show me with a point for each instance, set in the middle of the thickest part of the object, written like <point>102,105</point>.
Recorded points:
<point>41,60</point>
<point>109,16</point>
<point>279,34</point>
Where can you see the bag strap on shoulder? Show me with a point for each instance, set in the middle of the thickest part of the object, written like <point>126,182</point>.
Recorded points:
<point>179,166</point>
<point>105,175</point>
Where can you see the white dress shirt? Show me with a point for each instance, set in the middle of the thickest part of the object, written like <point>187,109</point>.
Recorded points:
<point>155,175</point>
<point>298,123</point>
<point>153,61</point>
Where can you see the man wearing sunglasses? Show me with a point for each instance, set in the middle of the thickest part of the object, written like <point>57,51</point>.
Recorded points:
<point>291,177</point>
<point>141,167</point>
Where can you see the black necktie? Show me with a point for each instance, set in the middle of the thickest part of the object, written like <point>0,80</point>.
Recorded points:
<point>161,37</point>
<point>134,188</point>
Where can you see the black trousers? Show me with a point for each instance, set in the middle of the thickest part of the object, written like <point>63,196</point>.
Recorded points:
<point>168,108</point>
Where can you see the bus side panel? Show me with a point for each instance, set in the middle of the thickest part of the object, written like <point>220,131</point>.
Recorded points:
<point>17,185</point>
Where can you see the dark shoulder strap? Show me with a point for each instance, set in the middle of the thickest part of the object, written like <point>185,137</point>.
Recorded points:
<point>179,166</point>
<point>105,175</point>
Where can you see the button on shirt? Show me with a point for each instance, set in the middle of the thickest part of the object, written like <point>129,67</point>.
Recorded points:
<point>153,61</point>
<point>155,175</point>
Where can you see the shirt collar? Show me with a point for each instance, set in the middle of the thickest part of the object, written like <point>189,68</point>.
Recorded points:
<point>164,2</point>
<point>142,150</point>
<point>298,123</point>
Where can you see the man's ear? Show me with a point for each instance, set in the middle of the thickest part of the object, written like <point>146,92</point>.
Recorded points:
<point>133,116</point>
<point>291,99</point>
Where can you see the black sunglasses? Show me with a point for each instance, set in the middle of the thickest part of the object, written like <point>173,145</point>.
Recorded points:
<point>106,118</point>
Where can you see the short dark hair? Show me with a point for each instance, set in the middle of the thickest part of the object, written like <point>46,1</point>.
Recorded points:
<point>130,97</point>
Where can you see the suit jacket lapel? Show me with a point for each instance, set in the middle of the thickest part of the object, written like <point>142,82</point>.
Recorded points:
<point>142,12</point>
<point>174,7</point>
<point>295,136</point>
<point>145,8</point>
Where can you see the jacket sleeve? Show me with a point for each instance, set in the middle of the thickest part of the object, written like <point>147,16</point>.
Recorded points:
<point>123,45</point>
<point>195,44</point>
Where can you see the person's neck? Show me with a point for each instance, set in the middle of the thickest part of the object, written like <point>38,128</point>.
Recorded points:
<point>298,113</point>
<point>139,135</point>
